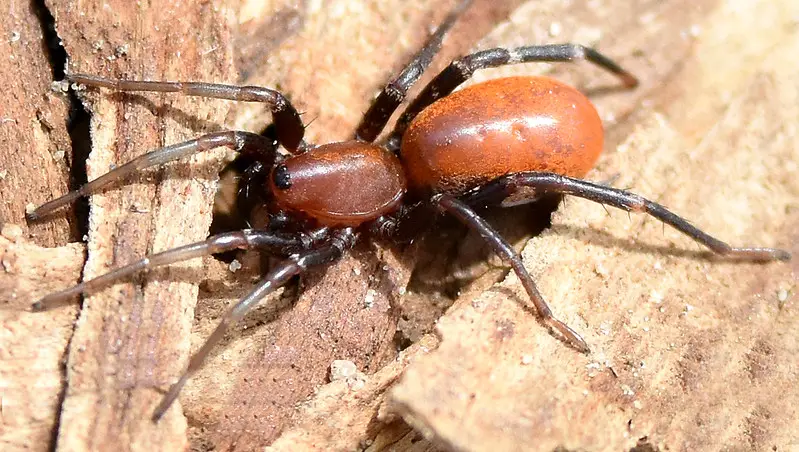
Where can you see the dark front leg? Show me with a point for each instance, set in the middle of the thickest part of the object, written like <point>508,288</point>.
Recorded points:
<point>278,243</point>
<point>290,129</point>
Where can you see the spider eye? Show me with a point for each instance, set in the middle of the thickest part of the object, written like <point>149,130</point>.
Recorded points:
<point>281,177</point>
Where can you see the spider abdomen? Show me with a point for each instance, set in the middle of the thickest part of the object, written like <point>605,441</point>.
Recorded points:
<point>340,184</point>
<point>499,127</point>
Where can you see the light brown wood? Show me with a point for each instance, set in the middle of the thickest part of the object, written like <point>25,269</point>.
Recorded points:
<point>687,353</point>
<point>331,62</point>
<point>35,148</point>
<point>132,339</point>
<point>32,346</point>
<point>715,88</point>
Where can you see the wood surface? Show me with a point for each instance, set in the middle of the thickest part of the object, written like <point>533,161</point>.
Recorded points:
<point>687,353</point>
<point>36,146</point>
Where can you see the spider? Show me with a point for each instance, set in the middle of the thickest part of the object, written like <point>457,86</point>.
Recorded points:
<point>499,142</point>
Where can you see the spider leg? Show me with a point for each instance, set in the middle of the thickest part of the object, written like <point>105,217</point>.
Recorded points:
<point>404,225</point>
<point>463,68</point>
<point>505,251</point>
<point>553,183</point>
<point>251,196</point>
<point>392,95</point>
<point>340,241</point>
<point>278,243</point>
<point>236,140</point>
<point>290,129</point>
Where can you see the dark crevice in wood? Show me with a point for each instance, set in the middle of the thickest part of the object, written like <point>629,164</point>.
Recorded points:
<point>78,119</point>
<point>78,129</point>
<point>52,48</point>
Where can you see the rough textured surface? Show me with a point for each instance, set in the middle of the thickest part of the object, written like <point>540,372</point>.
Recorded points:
<point>119,355</point>
<point>342,409</point>
<point>131,340</point>
<point>331,61</point>
<point>32,346</point>
<point>36,148</point>
<point>687,354</point>
<point>714,89</point>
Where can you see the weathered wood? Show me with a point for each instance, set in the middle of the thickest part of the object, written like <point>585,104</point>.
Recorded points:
<point>132,340</point>
<point>687,353</point>
<point>330,61</point>
<point>35,148</point>
<point>347,414</point>
<point>32,346</point>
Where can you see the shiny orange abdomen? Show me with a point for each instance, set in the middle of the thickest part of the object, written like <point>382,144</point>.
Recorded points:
<point>498,127</point>
<point>342,184</point>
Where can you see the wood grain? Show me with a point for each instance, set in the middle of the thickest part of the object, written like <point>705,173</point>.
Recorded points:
<point>33,345</point>
<point>329,64</point>
<point>688,354</point>
<point>36,148</point>
<point>131,340</point>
